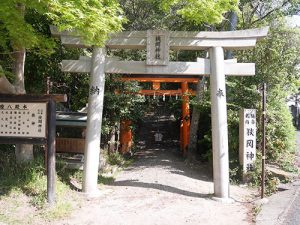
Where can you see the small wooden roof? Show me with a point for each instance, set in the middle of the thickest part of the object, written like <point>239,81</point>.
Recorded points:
<point>71,119</point>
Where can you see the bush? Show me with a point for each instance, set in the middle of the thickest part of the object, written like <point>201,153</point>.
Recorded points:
<point>281,134</point>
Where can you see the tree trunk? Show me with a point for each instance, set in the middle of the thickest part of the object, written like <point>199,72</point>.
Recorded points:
<point>118,135</point>
<point>19,64</point>
<point>24,152</point>
<point>112,140</point>
<point>195,122</point>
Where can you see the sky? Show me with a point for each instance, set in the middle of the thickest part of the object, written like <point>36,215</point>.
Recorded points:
<point>294,21</point>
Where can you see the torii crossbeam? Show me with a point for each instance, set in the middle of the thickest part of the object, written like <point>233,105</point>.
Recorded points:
<point>158,44</point>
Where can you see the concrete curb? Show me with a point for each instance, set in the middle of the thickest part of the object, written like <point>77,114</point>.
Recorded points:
<point>276,209</point>
<point>283,216</point>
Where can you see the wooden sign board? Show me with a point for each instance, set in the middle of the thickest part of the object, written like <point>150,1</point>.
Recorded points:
<point>30,119</point>
<point>23,119</point>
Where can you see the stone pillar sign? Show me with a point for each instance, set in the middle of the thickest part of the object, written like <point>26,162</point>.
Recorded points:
<point>247,151</point>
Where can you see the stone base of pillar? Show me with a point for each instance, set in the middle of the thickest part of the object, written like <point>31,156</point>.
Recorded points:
<point>223,200</point>
<point>93,194</point>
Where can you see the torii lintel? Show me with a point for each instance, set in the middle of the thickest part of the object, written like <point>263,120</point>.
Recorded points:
<point>178,40</point>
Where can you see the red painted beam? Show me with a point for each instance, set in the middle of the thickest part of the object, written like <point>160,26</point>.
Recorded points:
<point>161,80</point>
<point>166,92</point>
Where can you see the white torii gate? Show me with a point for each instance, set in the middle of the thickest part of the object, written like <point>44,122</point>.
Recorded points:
<point>158,44</point>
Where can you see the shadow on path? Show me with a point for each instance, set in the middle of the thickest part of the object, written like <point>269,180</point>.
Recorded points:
<point>167,188</point>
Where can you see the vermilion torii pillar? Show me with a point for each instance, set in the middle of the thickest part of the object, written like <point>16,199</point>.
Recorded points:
<point>185,117</point>
<point>158,44</point>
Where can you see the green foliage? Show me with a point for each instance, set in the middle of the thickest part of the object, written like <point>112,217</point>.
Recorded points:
<point>21,176</point>
<point>121,102</point>
<point>61,210</point>
<point>22,183</point>
<point>38,67</point>
<point>106,180</point>
<point>174,14</point>
<point>31,180</point>
<point>199,11</point>
<point>281,134</point>
<point>118,160</point>
<point>1,71</point>
<point>115,163</point>
<point>145,14</point>
<point>14,29</point>
<point>271,181</point>
<point>276,60</point>
<point>92,19</point>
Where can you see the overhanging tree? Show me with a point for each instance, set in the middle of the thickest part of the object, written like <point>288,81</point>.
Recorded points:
<point>201,11</point>
<point>94,20</point>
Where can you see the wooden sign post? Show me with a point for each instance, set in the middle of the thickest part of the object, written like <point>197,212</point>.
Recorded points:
<point>158,44</point>
<point>28,119</point>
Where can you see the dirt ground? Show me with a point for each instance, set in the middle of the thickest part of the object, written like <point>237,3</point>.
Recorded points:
<point>159,188</point>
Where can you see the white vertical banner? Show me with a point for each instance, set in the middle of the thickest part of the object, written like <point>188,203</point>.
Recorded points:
<point>247,136</point>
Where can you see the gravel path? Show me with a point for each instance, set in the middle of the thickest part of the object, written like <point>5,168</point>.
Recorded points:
<point>159,188</point>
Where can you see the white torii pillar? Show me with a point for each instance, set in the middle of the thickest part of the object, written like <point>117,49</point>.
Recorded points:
<point>94,121</point>
<point>219,124</point>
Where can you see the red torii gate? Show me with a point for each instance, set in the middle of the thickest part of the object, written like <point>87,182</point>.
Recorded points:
<point>125,131</point>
